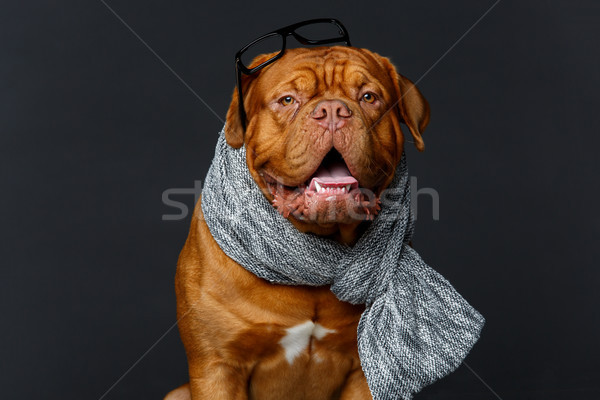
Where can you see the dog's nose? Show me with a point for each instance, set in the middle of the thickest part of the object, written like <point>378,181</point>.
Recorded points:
<point>331,114</point>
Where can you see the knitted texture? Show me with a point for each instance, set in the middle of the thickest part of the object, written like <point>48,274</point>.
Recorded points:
<point>415,329</point>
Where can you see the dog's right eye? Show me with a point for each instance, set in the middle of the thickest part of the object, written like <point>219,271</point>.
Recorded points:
<point>287,100</point>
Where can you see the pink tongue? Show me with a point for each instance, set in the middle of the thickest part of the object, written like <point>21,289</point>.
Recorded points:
<point>334,175</point>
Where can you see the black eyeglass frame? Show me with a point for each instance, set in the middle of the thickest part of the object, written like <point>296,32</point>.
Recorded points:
<point>283,33</point>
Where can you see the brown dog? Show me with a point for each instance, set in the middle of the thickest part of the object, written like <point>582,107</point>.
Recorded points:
<point>321,122</point>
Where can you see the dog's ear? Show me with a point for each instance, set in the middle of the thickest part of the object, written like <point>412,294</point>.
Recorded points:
<point>234,131</point>
<point>412,106</point>
<point>414,110</point>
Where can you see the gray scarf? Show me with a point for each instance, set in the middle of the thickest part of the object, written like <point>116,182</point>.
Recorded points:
<point>415,329</point>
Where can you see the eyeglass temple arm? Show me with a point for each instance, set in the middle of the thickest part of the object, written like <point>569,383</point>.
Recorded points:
<point>241,109</point>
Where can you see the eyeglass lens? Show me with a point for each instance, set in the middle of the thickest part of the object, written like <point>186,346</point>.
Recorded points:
<point>269,44</point>
<point>319,31</point>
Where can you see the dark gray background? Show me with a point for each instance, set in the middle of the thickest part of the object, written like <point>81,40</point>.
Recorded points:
<point>94,128</point>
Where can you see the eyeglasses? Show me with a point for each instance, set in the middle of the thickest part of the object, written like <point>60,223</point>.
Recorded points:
<point>309,33</point>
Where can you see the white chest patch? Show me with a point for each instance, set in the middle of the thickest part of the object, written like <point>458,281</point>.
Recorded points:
<point>298,338</point>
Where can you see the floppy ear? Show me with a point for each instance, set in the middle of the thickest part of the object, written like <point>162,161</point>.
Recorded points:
<point>414,110</point>
<point>234,131</point>
<point>412,106</point>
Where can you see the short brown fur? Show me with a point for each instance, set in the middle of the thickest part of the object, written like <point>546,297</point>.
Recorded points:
<point>230,321</point>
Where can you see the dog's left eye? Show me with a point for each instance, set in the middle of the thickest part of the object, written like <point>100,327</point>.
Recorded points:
<point>287,100</point>
<point>368,97</point>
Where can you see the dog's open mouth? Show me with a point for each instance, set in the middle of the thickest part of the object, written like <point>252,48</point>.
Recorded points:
<point>330,195</point>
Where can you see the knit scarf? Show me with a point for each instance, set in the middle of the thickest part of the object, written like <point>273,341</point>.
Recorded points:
<point>415,329</point>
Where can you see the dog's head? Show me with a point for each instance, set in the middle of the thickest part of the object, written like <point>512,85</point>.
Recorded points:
<point>323,133</point>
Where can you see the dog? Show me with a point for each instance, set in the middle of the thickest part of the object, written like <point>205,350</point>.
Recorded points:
<point>319,120</point>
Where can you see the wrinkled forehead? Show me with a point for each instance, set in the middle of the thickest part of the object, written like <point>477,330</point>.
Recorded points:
<point>305,68</point>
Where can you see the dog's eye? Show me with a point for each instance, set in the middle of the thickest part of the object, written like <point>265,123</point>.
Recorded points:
<point>287,100</point>
<point>368,97</point>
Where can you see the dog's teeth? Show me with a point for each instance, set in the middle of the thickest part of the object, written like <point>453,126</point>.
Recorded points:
<point>318,187</point>
<point>348,188</point>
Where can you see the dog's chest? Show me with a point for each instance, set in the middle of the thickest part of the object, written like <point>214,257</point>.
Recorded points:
<point>306,358</point>
<point>310,361</point>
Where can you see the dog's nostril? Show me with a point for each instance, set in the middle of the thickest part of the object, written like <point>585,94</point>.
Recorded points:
<point>320,112</point>
<point>343,112</point>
